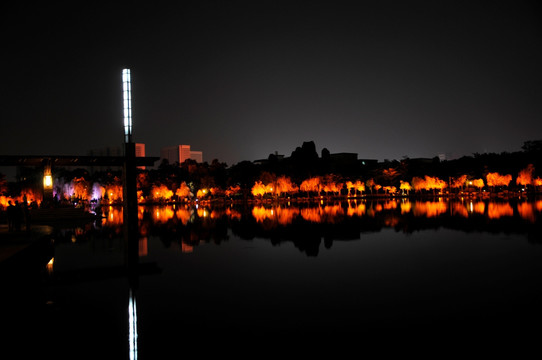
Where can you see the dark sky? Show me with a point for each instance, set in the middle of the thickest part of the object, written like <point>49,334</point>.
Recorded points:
<point>238,81</point>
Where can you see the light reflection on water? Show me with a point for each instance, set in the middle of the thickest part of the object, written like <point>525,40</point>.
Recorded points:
<point>191,225</point>
<point>232,272</point>
<point>333,212</point>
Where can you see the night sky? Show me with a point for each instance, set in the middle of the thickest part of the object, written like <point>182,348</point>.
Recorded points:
<point>238,81</point>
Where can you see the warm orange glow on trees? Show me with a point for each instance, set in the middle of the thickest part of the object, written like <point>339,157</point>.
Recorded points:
<point>232,190</point>
<point>258,189</point>
<point>479,183</point>
<point>80,188</point>
<point>405,186</point>
<point>525,176</point>
<point>428,183</point>
<point>331,185</point>
<point>358,186</point>
<point>390,189</point>
<point>495,179</point>
<point>161,192</point>
<point>311,185</point>
<point>435,183</point>
<point>370,184</point>
<point>216,191</point>
<point>183,191</point>
<point>284,185</point>
<point>459,182</point>
<point>113,193</point>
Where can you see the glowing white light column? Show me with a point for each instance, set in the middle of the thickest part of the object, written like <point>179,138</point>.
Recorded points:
<point>132,320</point>
<point>127,101</point>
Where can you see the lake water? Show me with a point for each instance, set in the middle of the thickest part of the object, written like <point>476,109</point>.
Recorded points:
<point>309,274</point>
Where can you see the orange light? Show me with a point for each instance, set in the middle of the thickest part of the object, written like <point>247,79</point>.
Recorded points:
<point>48,181</point>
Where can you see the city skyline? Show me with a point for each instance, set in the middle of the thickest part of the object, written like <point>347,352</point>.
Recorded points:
<point>242,81</point>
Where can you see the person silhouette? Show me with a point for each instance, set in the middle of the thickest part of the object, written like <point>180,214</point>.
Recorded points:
<point>11,216</point>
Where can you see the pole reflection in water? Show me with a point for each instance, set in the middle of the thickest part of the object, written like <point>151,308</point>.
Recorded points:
<point>388,264</point>
<point>132,325</point>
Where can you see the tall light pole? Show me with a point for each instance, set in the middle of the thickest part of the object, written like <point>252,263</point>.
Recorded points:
<point>127,104</point>
<point>131,231</point>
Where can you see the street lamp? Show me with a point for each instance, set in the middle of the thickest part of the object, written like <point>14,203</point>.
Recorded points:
<point>127,104</point>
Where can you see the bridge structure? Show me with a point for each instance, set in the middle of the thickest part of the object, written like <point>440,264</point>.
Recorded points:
<point>128,162</point>
<point>71,160</point>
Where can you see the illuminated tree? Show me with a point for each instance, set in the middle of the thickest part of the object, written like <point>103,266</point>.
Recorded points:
<point>495,179</point>
<point>183,191</point>
<point>80,188</point>
<point>233,190</point>
<point>418,184</point>
<point>405,187</point>
<point>113,193</point>
<point>370,184</point>
<point>525,176</point>
<point>459,182</point>
<point>479,183</point>
<point>311,185</point>
<point>390,190</point>
<point>258,189</point>
<point>359,186</point>
<point>331,184</point>
<point>428,183</point>
<point>284,185</point>
<point>161,192</point>
<point>202,193</point>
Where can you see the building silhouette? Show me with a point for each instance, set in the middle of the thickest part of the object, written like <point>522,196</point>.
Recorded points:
<point>179,154</point>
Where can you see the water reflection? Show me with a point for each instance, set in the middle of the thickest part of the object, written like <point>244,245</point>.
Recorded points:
<point>306,224</point>
<point>331,212</point>
<point>132,326</point>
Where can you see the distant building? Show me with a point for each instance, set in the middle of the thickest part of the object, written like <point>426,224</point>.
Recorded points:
<point>344,157</point>
<point>140,152</point>
<point>180,154</point>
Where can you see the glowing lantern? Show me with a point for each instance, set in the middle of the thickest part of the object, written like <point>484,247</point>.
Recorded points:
<point>48,181</point>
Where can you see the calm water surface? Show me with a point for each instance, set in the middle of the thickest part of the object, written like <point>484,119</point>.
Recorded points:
<point>321,272</point>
